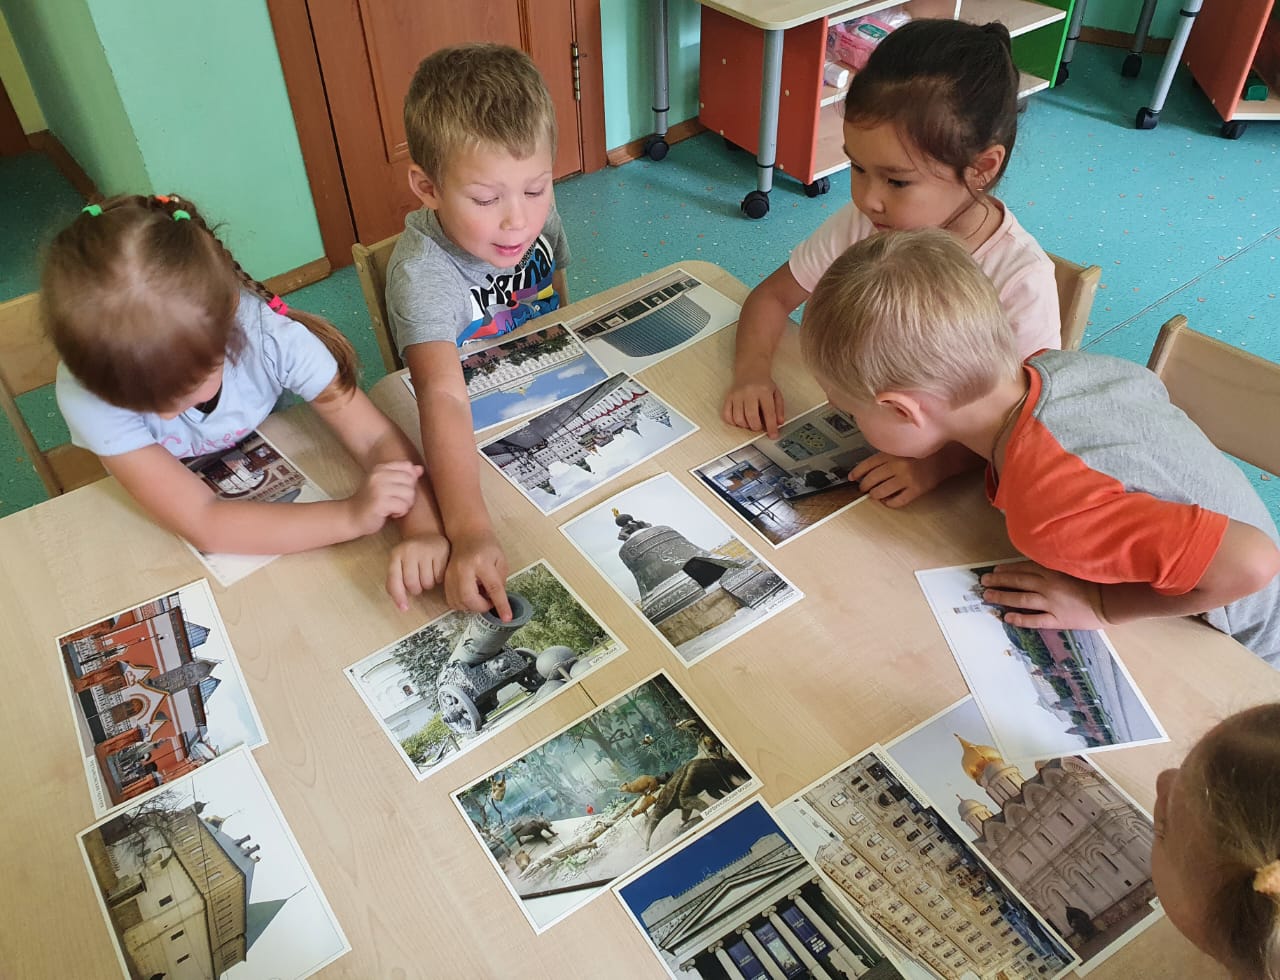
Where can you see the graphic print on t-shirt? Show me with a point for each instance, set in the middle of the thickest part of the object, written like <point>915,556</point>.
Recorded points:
<point>506,301</point>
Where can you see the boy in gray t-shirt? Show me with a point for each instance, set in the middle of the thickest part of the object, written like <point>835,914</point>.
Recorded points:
<point>485,254</point>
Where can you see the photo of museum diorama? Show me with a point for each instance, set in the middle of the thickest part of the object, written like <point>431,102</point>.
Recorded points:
<point>741,903</point>
<point>902,865</point>
<point>786,486</point>
<point>567,818</point>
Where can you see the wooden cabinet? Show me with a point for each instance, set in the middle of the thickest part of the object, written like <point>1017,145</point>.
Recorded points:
<point>1230,38</point>
<point>810,134</point>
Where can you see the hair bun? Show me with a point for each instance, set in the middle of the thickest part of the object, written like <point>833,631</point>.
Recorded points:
<point>999,30</point>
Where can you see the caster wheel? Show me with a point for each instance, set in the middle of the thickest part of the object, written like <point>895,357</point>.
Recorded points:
<point>1146,119</point>
<point>756,204</point>
<point>1132,66</point>
<point>730,145</point>
<point>818,187</point>
<point>1233,130</point>
<point>656,147</point>
<point>1064,72</point>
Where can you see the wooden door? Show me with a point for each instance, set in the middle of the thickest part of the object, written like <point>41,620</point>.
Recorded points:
<point>368,51</point>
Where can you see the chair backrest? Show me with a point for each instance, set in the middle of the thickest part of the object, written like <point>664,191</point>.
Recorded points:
<point>1234,396</point>
<point>1077,285</point>
<point>371,265</point>
<point>27,362</point>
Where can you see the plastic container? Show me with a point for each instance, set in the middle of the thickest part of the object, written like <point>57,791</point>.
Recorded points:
<point>853,43</point>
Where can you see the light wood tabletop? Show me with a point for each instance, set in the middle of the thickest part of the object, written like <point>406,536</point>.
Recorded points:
<point>858,661</point>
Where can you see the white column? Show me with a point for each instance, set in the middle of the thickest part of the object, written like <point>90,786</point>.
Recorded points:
<point>726,961</point>
<point>851,964</point>
<point>797,944</point>
<point>763,956</point>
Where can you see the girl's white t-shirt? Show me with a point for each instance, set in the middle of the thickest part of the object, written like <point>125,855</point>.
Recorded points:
<point>279,355</point>
<point>1011,258</point>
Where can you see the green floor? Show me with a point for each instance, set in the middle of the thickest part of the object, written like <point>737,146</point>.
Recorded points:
<point>1180,220</point>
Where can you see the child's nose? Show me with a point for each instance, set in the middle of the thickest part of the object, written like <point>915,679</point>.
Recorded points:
<point>513,214</point>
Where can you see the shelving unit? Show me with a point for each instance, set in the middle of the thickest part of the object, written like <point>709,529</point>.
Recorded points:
<point>761,75</point>
<point>1227,41</point>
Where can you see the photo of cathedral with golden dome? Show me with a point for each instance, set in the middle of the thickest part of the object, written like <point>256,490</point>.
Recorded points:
<point>1068,839</point>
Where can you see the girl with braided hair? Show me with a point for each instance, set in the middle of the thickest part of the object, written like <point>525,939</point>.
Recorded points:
<point>1215,862</point>
<point>169,350</point>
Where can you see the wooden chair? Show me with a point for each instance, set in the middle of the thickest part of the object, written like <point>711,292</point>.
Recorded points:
<point>1234,396</point>
<point>27,362</point>
<point>371,265</point>
<point>1077,285</point>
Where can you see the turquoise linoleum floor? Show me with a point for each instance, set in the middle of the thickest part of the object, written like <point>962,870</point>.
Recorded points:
<point>1179,219</point>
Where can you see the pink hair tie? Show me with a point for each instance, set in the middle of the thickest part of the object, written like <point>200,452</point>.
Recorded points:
<point>278,305</point>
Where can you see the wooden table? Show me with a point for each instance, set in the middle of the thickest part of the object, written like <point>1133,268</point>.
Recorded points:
<point>858,661</point>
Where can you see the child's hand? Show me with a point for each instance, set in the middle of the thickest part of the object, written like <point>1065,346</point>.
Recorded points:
<point>476,578</point>
<point>1040,598</point>
<point>388,491</point>
<point>756,405</point>
<point>895,481</point>
<point>417,566</point>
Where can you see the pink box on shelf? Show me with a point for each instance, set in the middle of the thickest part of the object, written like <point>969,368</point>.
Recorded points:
<point>853,43</point>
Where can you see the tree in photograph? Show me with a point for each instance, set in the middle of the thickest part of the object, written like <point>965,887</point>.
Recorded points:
<point>558,619</point>
<point>421,656</point>
<point>425,743</point>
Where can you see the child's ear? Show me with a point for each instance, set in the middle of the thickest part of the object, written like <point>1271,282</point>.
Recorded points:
<point>423,187</point>
<point>985,167</point>
<point>905,406</point>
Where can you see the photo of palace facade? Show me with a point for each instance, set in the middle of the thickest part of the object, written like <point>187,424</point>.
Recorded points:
<point>913,875</point>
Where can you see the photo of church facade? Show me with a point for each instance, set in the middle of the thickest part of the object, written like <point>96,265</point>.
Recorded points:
<point>742,903</point>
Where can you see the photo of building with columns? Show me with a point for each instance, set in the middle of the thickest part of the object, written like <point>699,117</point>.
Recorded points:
<point>901,865</point>
<point>743,903</point>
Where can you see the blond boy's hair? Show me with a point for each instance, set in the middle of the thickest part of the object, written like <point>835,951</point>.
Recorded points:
<point>908,311</point>
<point>476,94</point>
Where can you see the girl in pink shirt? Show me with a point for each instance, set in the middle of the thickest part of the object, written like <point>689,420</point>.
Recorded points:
<point>929,127</point>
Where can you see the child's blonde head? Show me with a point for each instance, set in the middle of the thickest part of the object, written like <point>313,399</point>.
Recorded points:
<point>139,297</point>
<point>908,311</point>
<point>1233,777</point>
<point>476,94</point>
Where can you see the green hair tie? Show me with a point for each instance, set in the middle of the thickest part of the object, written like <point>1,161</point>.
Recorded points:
<point>93,210</point>
<point>181,215</point>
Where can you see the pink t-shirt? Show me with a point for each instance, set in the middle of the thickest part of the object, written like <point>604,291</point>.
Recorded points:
<point>1015,262</point>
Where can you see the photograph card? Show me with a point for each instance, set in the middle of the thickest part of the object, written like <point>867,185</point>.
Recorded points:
<point>1073,844</point>
<point>695,582</point>
<point>517,377</point>
<point>565,820</point>
<point>203,878</point>
<point>252,469</point>
<point>155,693</point>
<point>740,893</point>
<point>582,443</point>
<point>444,688</point>
<point>786,486</point>
<point>1044,693</point>
<point>902,865</point>
<point>654,321</point>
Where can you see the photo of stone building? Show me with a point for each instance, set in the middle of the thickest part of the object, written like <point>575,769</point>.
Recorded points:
<point>901,865</point>
<point>742,903</point>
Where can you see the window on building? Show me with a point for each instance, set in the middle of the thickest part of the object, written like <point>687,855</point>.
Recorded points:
<point>894,906</point>
<point>1111,864</point>
<point>177,935</point>
<point>874,886</point>
<point>913,835</point>
<point>922,888</point>
<point>840,799</point>
<point>168,899</point>
<point>899,821</point>
<point>947,914</point>
<point>1066,819</point>
<point>857,817</point>
<point>874,839</point>
<point>927,848</point>
<point>1045,837</point>
<point>984,947</point>
<point>183,958</point>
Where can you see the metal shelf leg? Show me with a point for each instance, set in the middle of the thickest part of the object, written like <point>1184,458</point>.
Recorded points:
<point>756,204</point>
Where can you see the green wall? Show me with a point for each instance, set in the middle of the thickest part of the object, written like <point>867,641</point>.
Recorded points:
<point>72,79</point>
<point>153,96</point>
<point>204,91</point>
<point>16,83</point>
<point>627,50</point>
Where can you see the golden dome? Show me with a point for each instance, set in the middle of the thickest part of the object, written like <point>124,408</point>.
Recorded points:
<point>976,758</point>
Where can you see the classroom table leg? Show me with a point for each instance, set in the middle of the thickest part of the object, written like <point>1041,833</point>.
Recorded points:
<point>656,145</point>
<point>1149,116</point>
<point>756,203</point>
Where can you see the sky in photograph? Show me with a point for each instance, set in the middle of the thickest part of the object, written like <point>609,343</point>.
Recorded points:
<point>543,391</point>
